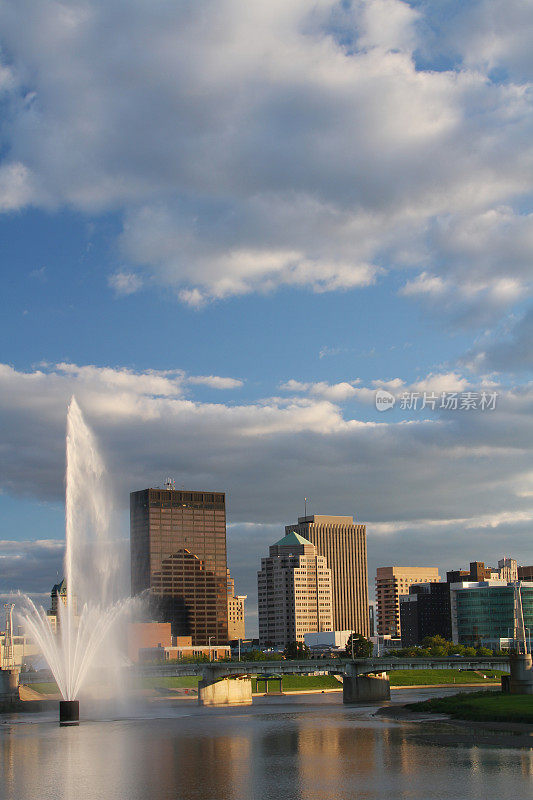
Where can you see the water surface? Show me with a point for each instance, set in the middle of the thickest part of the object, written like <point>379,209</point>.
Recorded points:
<point>308,748</point>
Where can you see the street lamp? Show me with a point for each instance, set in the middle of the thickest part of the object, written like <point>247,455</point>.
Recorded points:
<point>239,649</point>
<point>211,637</point>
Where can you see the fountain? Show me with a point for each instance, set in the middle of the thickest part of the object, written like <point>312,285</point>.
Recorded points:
<point>92,609</point>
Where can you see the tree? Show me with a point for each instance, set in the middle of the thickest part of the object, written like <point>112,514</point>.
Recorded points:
<point>296,650</point>
<point>362,648</point>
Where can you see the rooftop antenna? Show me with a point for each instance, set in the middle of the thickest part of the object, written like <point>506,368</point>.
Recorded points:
<point>170,483</point>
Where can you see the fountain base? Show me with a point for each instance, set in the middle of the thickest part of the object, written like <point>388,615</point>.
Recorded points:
<point>69,712</point>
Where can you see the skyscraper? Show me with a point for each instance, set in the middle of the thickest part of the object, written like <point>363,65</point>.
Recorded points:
<point>178,553</point>
<point>236,623</point>
<point>294,592</point>
<point>391,582</point>
<point>343,544</point>
<point>508,569</point>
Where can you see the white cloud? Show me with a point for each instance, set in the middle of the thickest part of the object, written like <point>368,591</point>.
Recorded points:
<point>336,392</point>
<point>267,448</point>
<point>487,34</point>
<point>513,353</point>
<point>216,382</point>
<point>284,144</point>
<point>16,187</point>
<point>295,386</point>
<point>464,478</point>
<point>125,282</point>
<point>31,566</point>
<point>348,390</point>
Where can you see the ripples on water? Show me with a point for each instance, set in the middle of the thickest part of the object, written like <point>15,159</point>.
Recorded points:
<point>301,748</point>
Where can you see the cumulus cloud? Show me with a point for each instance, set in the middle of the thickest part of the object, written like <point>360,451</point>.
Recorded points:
<point>216,382</point>
<point>352,390</point>
<point>31,566</point>
<point>461,482</point>
<point>16,187</point>
<point>336,392</point>
<point>513,354</point>
<point>444,468</point>
<point>484,34</point>
<point>125,282</point>
<point>284,144</point>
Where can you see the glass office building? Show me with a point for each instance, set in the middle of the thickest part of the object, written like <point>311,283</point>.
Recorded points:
<point>483,612</point>
<point>178,554</point>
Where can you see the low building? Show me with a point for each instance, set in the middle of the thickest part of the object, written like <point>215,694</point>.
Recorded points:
<point>183,649</point>
<point>484,611</point>
<point>242,646</point>
<point>143,635</point>
<point>333,640</point>
<point>425,611</point>
<point>525,573</point>
<point>506,570</point>
<point>17,651</point>
<point>385,644</point>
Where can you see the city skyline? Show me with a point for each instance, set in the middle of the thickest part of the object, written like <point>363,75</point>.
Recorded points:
<point>244,576</point>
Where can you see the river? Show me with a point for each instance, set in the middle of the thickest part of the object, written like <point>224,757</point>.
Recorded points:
<point>308,747</point>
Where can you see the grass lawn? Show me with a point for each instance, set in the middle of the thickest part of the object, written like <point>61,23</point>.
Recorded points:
<point>169,682</point>
<point>43,688</point>
<point>481,706</point>
<point>424,677</point>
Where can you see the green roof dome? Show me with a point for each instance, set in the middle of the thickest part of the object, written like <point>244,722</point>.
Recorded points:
<point>291,538</point>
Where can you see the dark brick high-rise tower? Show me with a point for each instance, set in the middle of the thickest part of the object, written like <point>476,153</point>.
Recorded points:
<point>178,552</point>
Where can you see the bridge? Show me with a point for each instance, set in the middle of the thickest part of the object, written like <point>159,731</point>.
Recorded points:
<point>364,679</point>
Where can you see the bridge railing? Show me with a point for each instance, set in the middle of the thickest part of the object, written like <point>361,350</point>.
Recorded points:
<point>359,666</point>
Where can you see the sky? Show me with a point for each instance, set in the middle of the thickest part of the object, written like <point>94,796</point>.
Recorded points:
<point>224,227</point>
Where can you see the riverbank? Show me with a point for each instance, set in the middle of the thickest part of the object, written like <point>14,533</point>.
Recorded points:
<point>443,677</point>
<point>481,707</point>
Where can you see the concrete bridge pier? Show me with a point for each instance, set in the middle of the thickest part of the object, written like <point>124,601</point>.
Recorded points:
<point>364,688</point>
<point>225,692</point>
<point>521,678</point>
<point>9,684</point>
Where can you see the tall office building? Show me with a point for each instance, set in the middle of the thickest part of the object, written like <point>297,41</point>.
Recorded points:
<point>294,592</point>
<point>425,611</point>
<point>391,582</point>
<point>343,544</point>
<point>508,569</point>
<point>178,553</point>
<point>236,624</point>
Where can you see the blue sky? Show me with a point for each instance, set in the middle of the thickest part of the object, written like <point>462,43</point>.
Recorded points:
<point>224,229</point>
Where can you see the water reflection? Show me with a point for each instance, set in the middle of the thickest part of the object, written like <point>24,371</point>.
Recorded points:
<point>307,752</point>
